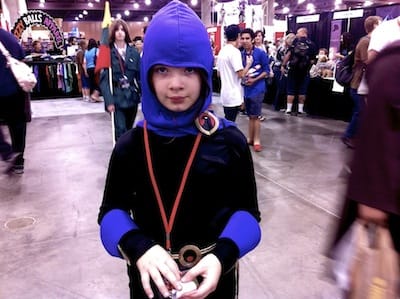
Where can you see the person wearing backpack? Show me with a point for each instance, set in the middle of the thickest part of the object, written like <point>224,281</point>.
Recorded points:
<point>360,61</point>
<point>298,60</point>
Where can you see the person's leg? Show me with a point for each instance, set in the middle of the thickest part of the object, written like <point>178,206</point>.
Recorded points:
<point>5,147</point>
<point>352,127</point>
<point>119,123</point>
<point>130,116</point>
<point>302,92</point>
<point>18,139</point>
<point>257,101</point>
<point>231,113</point>
<point>291,91</point>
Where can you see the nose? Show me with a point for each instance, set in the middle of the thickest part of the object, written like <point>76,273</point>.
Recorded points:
<point>176,81</point>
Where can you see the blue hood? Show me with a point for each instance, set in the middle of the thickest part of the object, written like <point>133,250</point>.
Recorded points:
<point>175,37</point>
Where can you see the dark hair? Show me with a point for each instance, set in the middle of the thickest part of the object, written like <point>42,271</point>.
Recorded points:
<point>259,31</point>
<point>136,38</point>
<point>92,44</point>
<point>348,42</point>
<point>115,26</point>
<point>248,31</point>
<point>232,32</point>
<point>370,22</point>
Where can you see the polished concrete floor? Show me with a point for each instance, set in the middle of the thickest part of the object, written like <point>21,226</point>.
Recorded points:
<point>50,246</point>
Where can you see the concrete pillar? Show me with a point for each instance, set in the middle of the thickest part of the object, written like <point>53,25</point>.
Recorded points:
<point>207,12</point>
<point>16,9</point>
<point>269,12</point>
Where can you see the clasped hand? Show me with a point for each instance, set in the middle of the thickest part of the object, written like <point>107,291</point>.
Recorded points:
<point>156,264</point>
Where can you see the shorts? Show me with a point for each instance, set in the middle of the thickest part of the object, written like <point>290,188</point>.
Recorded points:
<point>85,82</point>
<point>297,84</point>
<point>254,105</point>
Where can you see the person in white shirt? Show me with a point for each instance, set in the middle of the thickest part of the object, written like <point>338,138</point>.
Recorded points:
<point>231,71</point>
<point>385,34</point>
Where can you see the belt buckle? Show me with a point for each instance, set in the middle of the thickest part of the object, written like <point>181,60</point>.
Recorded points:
<point>189,256</point>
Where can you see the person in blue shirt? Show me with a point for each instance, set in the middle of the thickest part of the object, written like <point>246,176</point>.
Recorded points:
<point>12,103</point>
<point>180,200</point>
<point>254,85</point>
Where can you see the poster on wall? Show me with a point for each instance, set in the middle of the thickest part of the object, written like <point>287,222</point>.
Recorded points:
<point>336,32</point>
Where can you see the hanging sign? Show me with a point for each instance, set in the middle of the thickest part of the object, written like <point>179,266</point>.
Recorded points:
<point>307,19</point>
<point>38,17</point>
<point>348,14</point>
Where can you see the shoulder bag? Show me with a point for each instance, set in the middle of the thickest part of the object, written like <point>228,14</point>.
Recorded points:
<point>22,72</point>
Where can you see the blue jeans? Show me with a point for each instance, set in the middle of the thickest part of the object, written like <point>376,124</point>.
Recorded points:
<point>357,104</point>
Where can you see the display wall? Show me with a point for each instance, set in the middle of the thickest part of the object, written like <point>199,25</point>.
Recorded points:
<point>320,31</point>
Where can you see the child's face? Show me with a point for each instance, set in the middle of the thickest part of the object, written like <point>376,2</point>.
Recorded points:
<point>177,89</point>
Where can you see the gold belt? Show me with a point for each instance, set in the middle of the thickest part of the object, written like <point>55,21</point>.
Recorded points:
<point>190,255</point>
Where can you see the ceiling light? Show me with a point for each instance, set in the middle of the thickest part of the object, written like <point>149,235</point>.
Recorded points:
<point>76,19</point>
<point>285,10</point>
<point>85,12</point>
<point>126,12</point>
<point>42,1</point>
<point>90,4</point>
<point>300,1</point>
<point>136,5</point>
<point>97,1</point>
<point>147,2</point>
<point>367,3</point>
<point>338,2</point>
<point>194,2</point>
<point>118,16</point>
<point>41,4</point>
<point>310,6</point>
<point>146,19</point>
<point>276,4</point>
<point>80,16</point>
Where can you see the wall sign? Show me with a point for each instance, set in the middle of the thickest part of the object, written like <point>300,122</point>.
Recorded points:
<point>307,19</point>
<point>38,17</point>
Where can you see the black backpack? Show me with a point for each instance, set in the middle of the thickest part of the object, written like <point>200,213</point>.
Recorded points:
<point>300,59</point>
<point>344,70</point>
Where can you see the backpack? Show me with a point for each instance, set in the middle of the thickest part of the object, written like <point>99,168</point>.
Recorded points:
<point>344,70</point>
<point>300,59</point>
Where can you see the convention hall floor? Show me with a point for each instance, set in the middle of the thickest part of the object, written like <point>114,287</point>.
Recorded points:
<point>50,246</point>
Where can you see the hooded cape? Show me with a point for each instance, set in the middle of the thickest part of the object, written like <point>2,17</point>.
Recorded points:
<point>176,37</point>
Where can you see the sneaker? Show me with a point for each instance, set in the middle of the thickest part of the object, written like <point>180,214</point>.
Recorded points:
<point>261,117</point>
<point>288,112</point>
<point>300,113</point>
<point>18,167</point>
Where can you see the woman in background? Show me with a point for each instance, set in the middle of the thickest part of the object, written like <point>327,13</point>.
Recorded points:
<point>90,64</point>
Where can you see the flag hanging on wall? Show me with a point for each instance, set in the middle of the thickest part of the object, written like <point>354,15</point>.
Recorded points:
<point>104,57</point>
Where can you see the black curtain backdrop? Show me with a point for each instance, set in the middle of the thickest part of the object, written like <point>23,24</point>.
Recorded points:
<point>320,32</point>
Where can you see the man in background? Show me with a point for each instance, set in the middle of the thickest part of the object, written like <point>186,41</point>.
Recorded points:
<point>230,70</point>
<point>299,59</point>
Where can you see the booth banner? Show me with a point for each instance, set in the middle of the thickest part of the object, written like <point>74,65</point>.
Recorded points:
<point>336,32</point>
<point>38,17</point>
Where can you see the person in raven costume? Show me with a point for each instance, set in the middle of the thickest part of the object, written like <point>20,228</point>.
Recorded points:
<point>187,210</point>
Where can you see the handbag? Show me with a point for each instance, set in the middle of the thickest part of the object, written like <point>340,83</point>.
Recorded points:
<point>375,271</point>
<point>363,87</point>
<point>370,264</point>
<point>22,72</point>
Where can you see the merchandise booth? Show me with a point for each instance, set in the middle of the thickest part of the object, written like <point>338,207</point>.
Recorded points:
<point>53,66</point>
<point>325,97</point>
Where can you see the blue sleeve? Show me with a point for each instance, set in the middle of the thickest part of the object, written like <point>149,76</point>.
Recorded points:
<point>113,226</point>
<point>244,230</point>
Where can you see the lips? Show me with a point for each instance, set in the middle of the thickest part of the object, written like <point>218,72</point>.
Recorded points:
<point>177,100</point>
